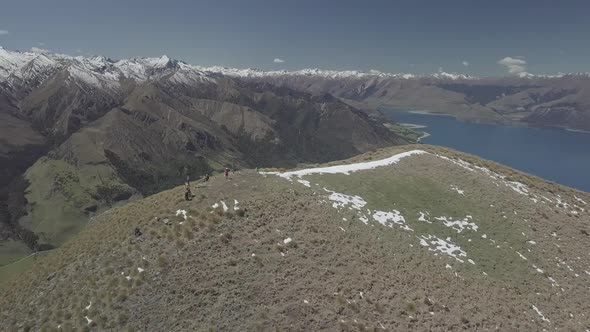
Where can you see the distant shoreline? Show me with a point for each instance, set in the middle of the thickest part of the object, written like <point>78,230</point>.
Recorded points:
<point>431,113</point>
<point>509,123</point>
<point>412,125</point>
<point>416,126</point>
<point>578,130</point>
<point>423,136</point>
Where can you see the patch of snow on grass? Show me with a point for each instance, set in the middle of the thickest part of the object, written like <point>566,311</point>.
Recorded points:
<point>458,225</point>
<point>349,168</point>
<point>287,240</point>
<point>304,182</point>
<point>521,256</point>
<point>225,208</point>
<point>443,246</point>
<point>89,306</point>
<point>459,191</point>
<point>88,320</point>
<point>236,205</point>
<point>518,187</point>
<point>140,270</point>
<point>181,212</point>
<point>580,200</point>
<point>390,218</point>
<point>541,314</point>
<point>215,206</point>
<point>341,200</point>
<point>423,216</point>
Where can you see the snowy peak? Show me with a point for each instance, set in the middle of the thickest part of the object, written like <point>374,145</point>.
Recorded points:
<point>330,74</point>
<point>98,71</point>
<point>162,62</point>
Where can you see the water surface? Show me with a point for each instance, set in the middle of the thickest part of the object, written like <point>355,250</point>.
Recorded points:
<point>555,154</point>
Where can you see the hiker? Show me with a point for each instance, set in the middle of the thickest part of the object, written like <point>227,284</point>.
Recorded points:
<point>206,178</point>
<point>226,173</point>
<point>188,195</point>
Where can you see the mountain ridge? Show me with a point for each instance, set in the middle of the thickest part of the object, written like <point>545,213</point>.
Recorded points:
<point>372,242</point>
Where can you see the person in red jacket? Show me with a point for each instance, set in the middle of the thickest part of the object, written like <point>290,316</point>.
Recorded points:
<point>226,173</point>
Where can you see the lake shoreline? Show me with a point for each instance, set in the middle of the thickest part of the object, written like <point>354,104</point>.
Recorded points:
<point>507,123</point>
<point>416,126</point>
<point>552,153</point>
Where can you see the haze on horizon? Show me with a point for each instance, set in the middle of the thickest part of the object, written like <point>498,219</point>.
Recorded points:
<point>472,37</point>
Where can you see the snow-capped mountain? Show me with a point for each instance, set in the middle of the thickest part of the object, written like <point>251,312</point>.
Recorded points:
<point>23,67</point>
<point>331,74</point>
<point>104,72</point>
<point>564,100</point>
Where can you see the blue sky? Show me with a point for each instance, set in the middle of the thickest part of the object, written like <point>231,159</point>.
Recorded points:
<point>472,36</point>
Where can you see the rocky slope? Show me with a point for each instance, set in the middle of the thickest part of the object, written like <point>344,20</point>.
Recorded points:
<point>405,238</point>
<point>84,134</point>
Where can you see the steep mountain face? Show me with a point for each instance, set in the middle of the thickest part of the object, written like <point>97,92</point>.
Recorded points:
<point>561,101</point>
<point>401,239</point>
<point>89,133</point>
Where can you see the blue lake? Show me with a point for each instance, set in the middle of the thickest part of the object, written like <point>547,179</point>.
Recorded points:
<point>555,154</point>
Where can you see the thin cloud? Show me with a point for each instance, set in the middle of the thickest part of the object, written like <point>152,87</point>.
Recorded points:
<point>515,65</point>
<point>39,50</point>
<point>3,32</point>
<point>78,51</point>
<point>465,63</point>
<point>41,43</point>
<point>277,60</point>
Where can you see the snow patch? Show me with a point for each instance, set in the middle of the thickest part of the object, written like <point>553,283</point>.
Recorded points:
<point>423,216</point>
<point>540,314</point>
<point>304,182</point>
<point>458,225</point>
<point>459,191</point>
<point>181,212</point>
<point>349,168</point>
<point>287,240</point>
<point>341,200</point>
<point>390,218</point>
<point>443,246</point>
<point>580,200</point>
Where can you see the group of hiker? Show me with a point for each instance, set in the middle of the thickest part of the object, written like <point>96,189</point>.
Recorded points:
<point>188,195</point>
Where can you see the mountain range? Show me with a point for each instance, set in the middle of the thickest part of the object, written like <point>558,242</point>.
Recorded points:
<point>363,232</point>
<point>81,134</point>
<point>88,133</point>
<point>539,100</point>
